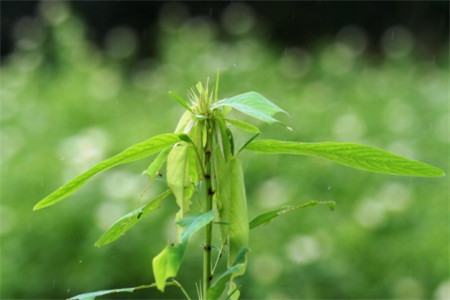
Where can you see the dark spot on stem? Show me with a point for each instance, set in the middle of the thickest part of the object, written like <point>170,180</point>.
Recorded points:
<point>210,192</point>
<point>210,278</point>
<point>208,152</point>
<point>207,248</point>
<point>139,215</point>
<point>207,176</point>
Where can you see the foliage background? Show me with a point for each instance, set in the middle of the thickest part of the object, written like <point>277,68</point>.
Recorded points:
<point>67,103</point>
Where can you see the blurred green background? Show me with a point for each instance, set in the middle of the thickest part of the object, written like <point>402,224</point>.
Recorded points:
<point>66,104</point>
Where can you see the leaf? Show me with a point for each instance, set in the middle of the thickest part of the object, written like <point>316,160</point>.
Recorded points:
<point>217,289</point>
<point>243,125</point>
<point>238,219</point>
<point>129,220</point>
<point>350,154</point>
<point>156,165</point>
<point>91,296</point>
<point>178,168</point>
<point>267,217</point>
<point>167,263</point>
<point>254,105</point>
<point>135,152</point>
<point>180,100</point>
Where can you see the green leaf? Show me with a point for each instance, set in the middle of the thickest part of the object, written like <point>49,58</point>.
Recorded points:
<point>238,219</point>
<point>180,100</point>
<point>93,295</point>
<point>243,125</point>
<point>135,152</point>
<point>254,105</point>
<point>350,154</point>
<point>267,217</point>
<point>178,179</point>
<point>167,263</point>
<point>156,165</point>
<point>122,225</point>
<point>238,266</point>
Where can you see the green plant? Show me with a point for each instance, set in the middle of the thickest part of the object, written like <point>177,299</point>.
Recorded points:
<point>203,166</point>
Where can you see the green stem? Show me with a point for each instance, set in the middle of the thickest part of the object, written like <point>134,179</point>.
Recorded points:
<point>207,277</point>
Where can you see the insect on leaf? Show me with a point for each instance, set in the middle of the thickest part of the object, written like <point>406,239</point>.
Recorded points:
<point>350,154</point>
<point>133,153</point>
<point>129,220</point>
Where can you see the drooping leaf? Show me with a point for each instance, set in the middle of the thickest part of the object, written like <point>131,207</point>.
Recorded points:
<point>178,168</point>
<point>93,295</point>
<point>156,165</point>
<point>350,154</point>
<point>180,100</point>
<point>167,263</point>
<point>252,104</point>
<point>135,152</point>
<point>239,264</point>
<point>129,220</point>
<point>267,217</point>
<point>238,219</point>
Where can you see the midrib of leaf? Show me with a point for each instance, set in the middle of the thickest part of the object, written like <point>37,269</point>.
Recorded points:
<point>350,154</point>
<point>133,153</point>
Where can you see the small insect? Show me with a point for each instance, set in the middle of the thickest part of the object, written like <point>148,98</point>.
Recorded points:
<point>210,192</point>
<point>207,176</point>
<point>139,215</point>
<point>208,152</point>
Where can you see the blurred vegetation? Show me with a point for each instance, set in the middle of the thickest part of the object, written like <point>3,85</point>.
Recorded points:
<point>67,104</point>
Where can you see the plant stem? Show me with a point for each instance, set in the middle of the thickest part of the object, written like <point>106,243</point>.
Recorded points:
<point>208,232</point>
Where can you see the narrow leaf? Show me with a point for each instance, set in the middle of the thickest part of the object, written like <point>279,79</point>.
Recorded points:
<point>93,295</point>
<point>167,263</point>
<point>180,100</point>
<point>156,165</point>
<point>243,125</point>
<point>129,220</point>
<point>254,105</point>
<point>217,289</point>
<point>238,229</point>
<point>350,154</point>
<point>267,217</point>
<point>178,176</point>
<point>135,152</point>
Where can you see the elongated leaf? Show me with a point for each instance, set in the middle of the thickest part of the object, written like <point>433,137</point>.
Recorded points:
<point>180,100</point>
<point>129,220</point>
<point>135,152</point>
<point>178,176</point>
<point>243,125</point>
<point>156,165</point>
<point>238,229</point>
<point>267,217</point>
<point>167,263</point>
<point>93,295</point>
<point>217,289</point>
<point>350,154</point>
<point>254,105</point>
